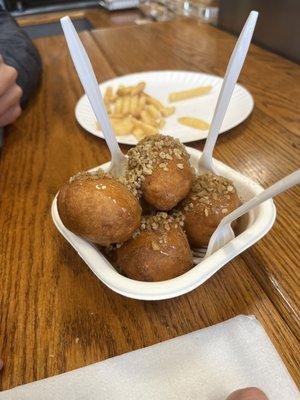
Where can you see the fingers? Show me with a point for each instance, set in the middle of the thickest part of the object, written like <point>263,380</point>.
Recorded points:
<point>10,115</point>
<point>8,77</point>
<point>251,393</point>
<point>10,94</point>
<point>11,98</point>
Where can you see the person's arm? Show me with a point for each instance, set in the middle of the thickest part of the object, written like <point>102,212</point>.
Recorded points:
<point>18,52</point>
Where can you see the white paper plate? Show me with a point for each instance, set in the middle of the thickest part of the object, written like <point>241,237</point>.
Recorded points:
<point>159,84</point>
<point>259,223</point>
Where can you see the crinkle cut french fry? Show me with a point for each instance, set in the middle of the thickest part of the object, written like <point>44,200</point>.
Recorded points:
<point>194,123</point>
<point>108,108</point>
<point>158,123</point>
<point>141,103</point>
<point>139,133</point>
<point>134,101</point>
<point>123,90</point>
<point>137,88</point>
<point>145,117</point>
<point>126,105</point>
<point>118,106</point>
<point>167,111</point>
<point>153,111</point>
<point>116,115</point>
<point>108,95</point>
<point>188,94</point>
<point>156,103</point>
<point>122,126</point>
<point>148,129</point>
<point>161,123</point>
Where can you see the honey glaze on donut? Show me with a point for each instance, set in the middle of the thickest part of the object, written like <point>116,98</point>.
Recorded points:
<point>99,208</point>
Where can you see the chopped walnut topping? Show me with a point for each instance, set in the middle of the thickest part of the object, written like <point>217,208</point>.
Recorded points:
<point>207,189</point>
<point>150,153</point>
<point>160,222</point>
<point>155,246</point>
<point>147,171</point>
<point>87,175</point>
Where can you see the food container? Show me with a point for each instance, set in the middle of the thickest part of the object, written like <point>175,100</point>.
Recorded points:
<point>254,226</point>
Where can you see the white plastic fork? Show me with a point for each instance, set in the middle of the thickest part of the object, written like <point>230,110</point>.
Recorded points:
<point>89,82</point>
<point>224,233</point>
<point>234,67</point>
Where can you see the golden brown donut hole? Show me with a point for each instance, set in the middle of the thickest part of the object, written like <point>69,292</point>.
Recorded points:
<point>100,209</point>
<point>159,170</point>
<point>155,255</point>
<point>212,197</point>
<point>165,189</point>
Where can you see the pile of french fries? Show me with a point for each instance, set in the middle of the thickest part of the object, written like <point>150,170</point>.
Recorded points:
<point>133,111</point>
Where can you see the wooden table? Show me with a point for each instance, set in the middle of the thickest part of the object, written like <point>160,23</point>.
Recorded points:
<point>55,314</point>
<point>97,16</point>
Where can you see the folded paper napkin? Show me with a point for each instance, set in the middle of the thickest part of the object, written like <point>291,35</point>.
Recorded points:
<point>204,365</point>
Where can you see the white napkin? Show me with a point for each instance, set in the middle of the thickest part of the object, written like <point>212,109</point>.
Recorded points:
<point>204,365</point>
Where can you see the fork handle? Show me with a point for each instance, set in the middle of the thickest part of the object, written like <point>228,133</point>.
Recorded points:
<point>278,187</point>
<point>89,82</point>
<point>235,65</point>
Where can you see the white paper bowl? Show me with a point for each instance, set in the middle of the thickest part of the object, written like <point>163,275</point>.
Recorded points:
<point>259,223</point>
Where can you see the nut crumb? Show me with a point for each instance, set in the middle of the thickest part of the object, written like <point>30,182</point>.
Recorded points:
<point>155,246</point>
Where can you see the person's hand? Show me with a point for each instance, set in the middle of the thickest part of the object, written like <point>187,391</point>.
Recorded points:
<point>10,94</point>
<point>250,393</point>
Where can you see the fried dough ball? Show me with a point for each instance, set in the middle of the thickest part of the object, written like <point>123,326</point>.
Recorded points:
<point>158,251</point>
<point>99,208</point>
<point>211,198</point>
<point>165,188</point>
<point>160,170</point>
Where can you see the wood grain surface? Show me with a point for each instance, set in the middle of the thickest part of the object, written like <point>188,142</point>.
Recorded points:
<point>99,17</point>
<point>55,315</point>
